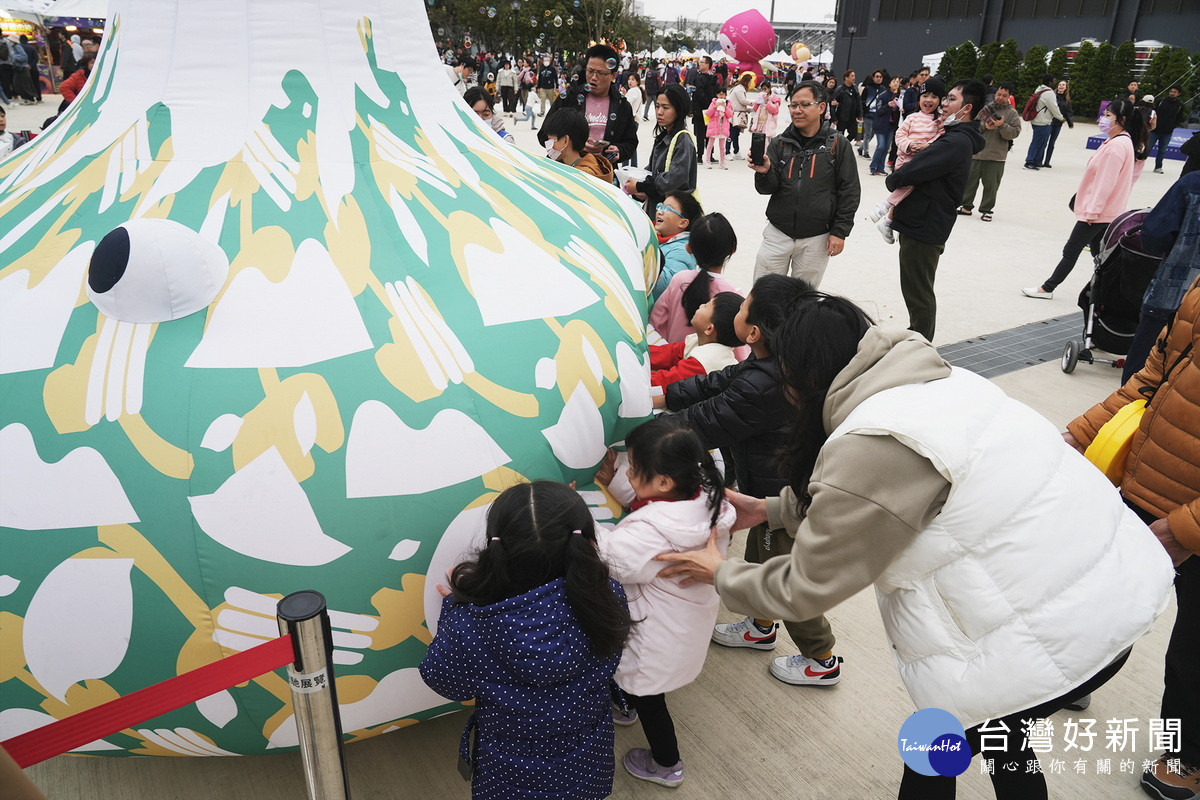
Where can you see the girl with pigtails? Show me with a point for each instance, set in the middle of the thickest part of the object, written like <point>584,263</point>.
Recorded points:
<point>677,502</point>
<point>532,628</point>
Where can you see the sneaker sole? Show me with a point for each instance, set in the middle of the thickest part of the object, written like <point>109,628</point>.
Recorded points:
<point>1152,789</point>
<point>806,681</point>
<point>652,779</point>
<point>625,723</point>
<point>744,643</point>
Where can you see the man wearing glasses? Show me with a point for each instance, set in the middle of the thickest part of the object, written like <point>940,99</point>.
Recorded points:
<point>612,130</point>
<point>810,173</point>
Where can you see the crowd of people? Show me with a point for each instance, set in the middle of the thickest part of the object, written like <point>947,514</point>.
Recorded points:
<point>837,481</point>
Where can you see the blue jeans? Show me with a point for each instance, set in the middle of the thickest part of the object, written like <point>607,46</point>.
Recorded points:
<point>883,140</point>
<point>1055,129</point>
<point>1037,145</point>
<point>1163,138</point>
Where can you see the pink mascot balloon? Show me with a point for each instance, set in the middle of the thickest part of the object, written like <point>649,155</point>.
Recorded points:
<point>747,36</point>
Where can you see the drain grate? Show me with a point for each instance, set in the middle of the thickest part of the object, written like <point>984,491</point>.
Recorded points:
<point>994,354</point>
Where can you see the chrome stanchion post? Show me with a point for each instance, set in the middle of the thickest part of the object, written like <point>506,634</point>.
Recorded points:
<point>314,695</point>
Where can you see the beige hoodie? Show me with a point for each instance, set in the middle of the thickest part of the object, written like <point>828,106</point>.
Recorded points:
<point>871,496</point>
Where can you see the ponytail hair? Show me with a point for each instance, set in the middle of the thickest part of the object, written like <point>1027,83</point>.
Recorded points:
<point>712,240</point>
<point>536,533</point>
<point>664,446</point>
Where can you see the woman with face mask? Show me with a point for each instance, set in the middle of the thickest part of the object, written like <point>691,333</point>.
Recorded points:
<point>566,132</point>
<point>1103,191</point>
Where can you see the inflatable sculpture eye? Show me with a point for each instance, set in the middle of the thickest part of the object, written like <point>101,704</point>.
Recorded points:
<point>154,270</point>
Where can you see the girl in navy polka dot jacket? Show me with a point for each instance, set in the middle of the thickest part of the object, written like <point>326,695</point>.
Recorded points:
<point>532,628</point>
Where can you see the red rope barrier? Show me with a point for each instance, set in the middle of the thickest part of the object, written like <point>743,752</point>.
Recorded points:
<point>124,712</point>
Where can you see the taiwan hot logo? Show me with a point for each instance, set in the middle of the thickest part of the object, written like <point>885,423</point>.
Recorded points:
<point>933,742</point>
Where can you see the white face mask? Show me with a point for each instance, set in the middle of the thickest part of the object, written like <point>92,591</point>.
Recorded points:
<point>551,152</point>
<point>546,62</point>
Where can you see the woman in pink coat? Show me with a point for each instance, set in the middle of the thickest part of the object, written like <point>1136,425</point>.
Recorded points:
<point>1103,190</point>
<point>766,112</point>
<point>719,114</point>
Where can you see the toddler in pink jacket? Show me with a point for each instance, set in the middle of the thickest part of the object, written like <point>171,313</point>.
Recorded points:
<point>719,114</point>
<point>679,501</point>
<point>915,133</point>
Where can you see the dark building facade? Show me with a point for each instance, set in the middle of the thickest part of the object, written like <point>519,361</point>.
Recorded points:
<point>894,34</point>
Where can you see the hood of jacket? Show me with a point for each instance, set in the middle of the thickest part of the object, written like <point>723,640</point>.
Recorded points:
<point>971,131</point>
<point>885,360</point>
<point>535,635</point>
<point>686,524</point>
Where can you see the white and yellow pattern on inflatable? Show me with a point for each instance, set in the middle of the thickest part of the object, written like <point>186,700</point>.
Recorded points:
<point>329,316</point>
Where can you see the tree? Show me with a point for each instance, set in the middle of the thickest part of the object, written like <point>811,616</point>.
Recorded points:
<point>1057,66</point>
<point>1008,59</point>
<point>1033,69</point>
<point>1081,95</point>
<point>948,69</point>
<point>967,61</point>
<point>1094,88</point>
<point>1121,71</point>
<point>987,60</point>
<point>1158,75</point>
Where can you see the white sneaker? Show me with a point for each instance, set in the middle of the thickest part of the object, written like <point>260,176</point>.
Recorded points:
<point>724,166</point>
<point>801,671</point>
<point>744,633</point>
<point>1037,292</point>
<point>884,226</point>
<point>879,211</point>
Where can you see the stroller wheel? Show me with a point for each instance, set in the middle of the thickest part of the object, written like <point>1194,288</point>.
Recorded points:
<point>1070,357</point>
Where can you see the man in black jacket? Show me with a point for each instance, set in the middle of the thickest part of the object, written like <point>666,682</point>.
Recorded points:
<point>702,88</point>
<point>609,115</point>
<point>1168,113</point>
<point>938,175</point>
<point>847,107</point>
<point>810,173</point>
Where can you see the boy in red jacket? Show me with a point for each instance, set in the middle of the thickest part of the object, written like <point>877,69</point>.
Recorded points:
<point>708,350</point>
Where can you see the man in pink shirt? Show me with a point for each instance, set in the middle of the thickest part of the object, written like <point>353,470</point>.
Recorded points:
<point>612,129</point>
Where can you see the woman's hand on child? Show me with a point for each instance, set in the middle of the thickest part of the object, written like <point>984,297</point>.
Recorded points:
<point>694,566</point>
<point>659,401</point>
<point>751,511</point>
<point>608,468</point>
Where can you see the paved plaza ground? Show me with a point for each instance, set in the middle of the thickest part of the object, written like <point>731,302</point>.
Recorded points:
<point>742,733</point>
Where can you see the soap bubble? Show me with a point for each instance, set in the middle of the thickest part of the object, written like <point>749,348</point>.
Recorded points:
<point>491,13</point>
<point>558,22</point>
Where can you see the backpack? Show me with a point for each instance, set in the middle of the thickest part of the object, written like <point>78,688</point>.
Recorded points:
<point>1030,112</point>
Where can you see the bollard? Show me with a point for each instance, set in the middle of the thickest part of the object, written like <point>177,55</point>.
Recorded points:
<point>314,695</point>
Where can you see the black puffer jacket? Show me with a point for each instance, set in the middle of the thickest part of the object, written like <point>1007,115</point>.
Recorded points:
<point>742,407</point>
<point>814,188</point>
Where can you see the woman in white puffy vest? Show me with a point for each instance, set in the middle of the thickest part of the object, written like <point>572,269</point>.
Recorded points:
<point>993,547</point>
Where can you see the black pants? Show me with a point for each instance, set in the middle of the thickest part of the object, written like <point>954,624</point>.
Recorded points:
<point>918,268</point>
<point>6,79</point>
<point>1181,691</point>
<point>1088,233</point>
<point>509,98</point>
<point>1017,784</point>
<point>849,129</point>
<point>733,145</point>
<point>658,727</point>
<point>36,79</point>
<point>700,128</point>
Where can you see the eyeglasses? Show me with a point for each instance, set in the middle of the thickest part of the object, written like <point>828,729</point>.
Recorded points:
<point>803,104</point>
<point>665,208</point>
<point>598,73</point>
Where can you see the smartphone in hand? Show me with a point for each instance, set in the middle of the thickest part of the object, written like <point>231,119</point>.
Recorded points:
<point>758,148</point>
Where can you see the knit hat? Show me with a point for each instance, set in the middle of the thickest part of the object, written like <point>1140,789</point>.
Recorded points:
<point>935,86</point>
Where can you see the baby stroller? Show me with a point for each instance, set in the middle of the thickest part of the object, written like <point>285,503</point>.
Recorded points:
<point>1112,300</point>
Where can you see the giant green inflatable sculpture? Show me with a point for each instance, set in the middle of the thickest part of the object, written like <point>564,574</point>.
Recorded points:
<point>329,316</point>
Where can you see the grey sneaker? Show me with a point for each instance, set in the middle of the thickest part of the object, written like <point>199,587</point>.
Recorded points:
<point>641,765</point>
<point>624,717</point>
<point>744,633</point>
<point>884,226</point>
